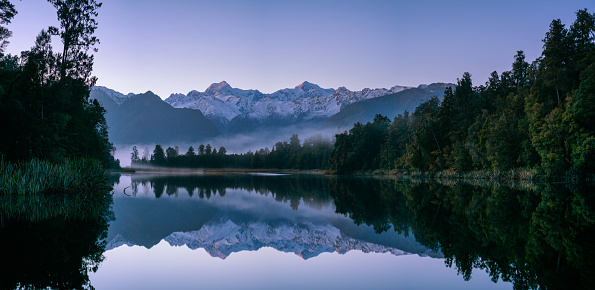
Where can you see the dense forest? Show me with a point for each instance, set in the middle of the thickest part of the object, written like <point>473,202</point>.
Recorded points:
<point>538,118</point>
<point>538,115</point>
<point>45,109</point>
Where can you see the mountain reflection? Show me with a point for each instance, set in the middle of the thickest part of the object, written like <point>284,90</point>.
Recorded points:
<point>534,238</point>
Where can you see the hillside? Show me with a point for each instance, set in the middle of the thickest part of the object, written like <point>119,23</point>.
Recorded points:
<point>388,105</point>
<point>147,119</point>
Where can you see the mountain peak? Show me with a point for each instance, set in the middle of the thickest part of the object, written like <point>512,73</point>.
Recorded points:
<point>218,87</point>
<point>306,86</point>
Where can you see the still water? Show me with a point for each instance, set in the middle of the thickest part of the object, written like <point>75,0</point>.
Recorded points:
<point>263,231</point>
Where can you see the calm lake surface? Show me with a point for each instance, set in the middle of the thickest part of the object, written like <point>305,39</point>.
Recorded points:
<point>260,231</point>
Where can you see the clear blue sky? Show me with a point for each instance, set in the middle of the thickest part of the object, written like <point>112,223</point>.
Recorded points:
<point>177,46</point>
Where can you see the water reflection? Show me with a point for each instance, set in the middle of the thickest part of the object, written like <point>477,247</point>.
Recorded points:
<point>50,247</point>
<point>533,237</point>
<point>225,214</point>
<point>536,237</point>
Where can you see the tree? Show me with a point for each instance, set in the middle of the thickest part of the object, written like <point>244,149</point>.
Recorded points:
<point>294,143</point>
<point>190,152</point>
<point>134,158</point>
<point>208,149</point>
<point>555,58</point>
<point>49,92</point>
<point>201,149</point>
<point>158,157</point>
<point>582,38</point>
<point>77,26</point>
<point>171,153</point>
<point>7,13</point>
<point>222,151</point>
<point>520,70</point>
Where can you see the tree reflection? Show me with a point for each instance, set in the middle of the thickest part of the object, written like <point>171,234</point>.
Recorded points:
<point>310,190</point>
<point>534,239</point>
<point>54,253</point>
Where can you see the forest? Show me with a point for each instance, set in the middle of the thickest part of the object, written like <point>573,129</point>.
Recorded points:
<point>536,119</point>
<point>54,138</point>
<point>538,115</point>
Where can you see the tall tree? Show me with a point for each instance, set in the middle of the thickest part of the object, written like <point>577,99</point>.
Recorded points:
<point>77,28</point>
<point>158,156</point>
<point>134,158</point>
<point>555,58</point>
<point>7,13</point>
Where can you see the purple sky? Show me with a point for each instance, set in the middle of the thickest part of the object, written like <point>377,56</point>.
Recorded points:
<point>177,46</point>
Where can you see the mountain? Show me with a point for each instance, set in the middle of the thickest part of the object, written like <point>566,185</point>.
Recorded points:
<point>237,111</point>
<point>388,105</point>
<point>219,102</point>
<point>147,119</point>
<point>306,240</point>
<point>223,236</point>
<point>198,116</point>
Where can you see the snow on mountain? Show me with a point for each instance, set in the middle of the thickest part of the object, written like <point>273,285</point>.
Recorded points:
<point>221,238</point>
<point>219,100</point>
<point>306,240</point>
<point>118,97</point>
<point>221,103</point>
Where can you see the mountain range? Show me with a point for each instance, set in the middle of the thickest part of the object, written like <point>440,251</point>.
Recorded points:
<point>224,110</point>
<point>221,237</point>
<point>236,110</point>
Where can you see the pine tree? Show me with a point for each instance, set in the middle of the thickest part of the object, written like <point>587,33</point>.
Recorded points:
<point>134,158</point>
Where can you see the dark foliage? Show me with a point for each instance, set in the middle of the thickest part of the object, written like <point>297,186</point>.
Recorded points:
<point>45,108</point>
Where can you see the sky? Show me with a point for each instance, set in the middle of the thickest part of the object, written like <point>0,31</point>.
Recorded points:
<point>177,46</point>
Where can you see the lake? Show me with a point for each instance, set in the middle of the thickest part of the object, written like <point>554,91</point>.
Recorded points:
<point>255,231</point>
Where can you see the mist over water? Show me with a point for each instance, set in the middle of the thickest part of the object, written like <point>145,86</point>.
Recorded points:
<point>234,144</point>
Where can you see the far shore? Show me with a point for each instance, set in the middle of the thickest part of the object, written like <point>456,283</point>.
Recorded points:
<point>213,170</point>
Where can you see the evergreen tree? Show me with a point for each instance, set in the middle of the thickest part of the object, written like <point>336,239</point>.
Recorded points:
<point>158,156</point>
<point>134,158</point>
<point>190,152</point>
<point>555,58</point>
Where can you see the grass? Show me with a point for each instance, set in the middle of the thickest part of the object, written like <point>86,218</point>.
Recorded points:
<point>41,177</point>
<point>523,174</point>
<point>37,190</point>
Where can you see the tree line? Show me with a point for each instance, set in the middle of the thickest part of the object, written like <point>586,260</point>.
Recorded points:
<point>45,108</point>
<point>313,153</point>
<point>537,115</point>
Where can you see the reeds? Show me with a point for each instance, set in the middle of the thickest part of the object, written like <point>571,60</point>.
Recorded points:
<point>41,177</point>
<point>38,190</point>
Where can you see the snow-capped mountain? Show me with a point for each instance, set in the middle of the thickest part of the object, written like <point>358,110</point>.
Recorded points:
<point>221,103</point>
<point>118,97</point>
<point>229,111</point>
<point>307,240</point>
<point>219,100</point>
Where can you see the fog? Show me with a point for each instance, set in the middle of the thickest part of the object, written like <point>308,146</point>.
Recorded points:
<point>235,144</point>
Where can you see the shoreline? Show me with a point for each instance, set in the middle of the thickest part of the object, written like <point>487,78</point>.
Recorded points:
<point>214,170</point>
